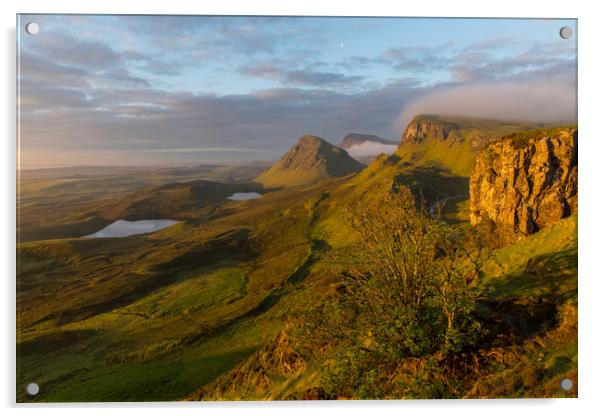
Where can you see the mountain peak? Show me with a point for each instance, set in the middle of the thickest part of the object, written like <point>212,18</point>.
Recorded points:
<point>311,140</point>
<point>310,160</point>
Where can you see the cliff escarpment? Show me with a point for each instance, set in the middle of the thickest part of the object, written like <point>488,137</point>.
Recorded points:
<point>526,181</point>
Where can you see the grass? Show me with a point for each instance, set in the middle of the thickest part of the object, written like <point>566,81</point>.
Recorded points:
<point>204,291</point>
<point>542,264</point>
<point>186,303</point>
<point>456,158</point>
<point>154,381</point>
<point>539,270</point>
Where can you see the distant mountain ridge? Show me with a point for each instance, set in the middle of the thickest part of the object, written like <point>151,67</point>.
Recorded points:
<point>366,147</point>
<point>353,139</point>
<point>310,160</point>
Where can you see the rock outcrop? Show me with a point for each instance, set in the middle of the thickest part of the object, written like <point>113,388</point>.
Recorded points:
<point>456,130</point>
<point>422,128</point>
<point>525,181</point>
<point>311,160</point>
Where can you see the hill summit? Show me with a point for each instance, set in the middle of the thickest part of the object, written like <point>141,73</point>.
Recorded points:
<point>310,160</point>
<point>455,129</point>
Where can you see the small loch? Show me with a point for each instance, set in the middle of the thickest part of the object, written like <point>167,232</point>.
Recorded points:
<point>243,196</point>
<point>122,228</point>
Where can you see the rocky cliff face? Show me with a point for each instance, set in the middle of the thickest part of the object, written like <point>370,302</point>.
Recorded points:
<point>525,181</point>
<point>455,130</point>
<point>422,128</point>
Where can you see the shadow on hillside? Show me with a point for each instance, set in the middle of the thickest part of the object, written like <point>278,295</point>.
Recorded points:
<point>233,245</point>
<point>317,248</point>
<point>512,321</point>
<point>553,276</point>
<point>525,304</point>
<point>433,183</point>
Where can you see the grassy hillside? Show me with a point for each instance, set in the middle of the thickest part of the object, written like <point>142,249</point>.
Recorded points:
<point>234,302</point>
<point>528,306</point>
<point>149,308</point>
<point>458,159</point>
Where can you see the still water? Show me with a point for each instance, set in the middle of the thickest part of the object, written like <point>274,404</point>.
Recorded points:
<point>243,196</point>
<point>122,228</point>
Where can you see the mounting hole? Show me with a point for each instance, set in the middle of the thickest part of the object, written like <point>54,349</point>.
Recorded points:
<point>32,28</point>
<point>33,389</point>
<point>566,384</point>
<point>566,32</point>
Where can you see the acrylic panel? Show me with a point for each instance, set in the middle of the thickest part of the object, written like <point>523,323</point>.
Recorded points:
<point>295,208</point>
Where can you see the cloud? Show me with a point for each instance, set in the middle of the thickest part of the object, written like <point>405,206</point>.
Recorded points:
<point>318,78</point>
<point>202,150</point>
<point>540,102</point>
<point>160,87</point>
<point>307,76</point>
<point>542,61</point>
<point>78,53</point>
<point>55,98</point>
<point>143,121</point>
<point>367,149</point>
<point>40,69</point>
<point>407,58</point>
<point>153,64</point>
<point>416,58</point>
<point>66,61</point>
<point>220,37</point>
<point>270,71</point>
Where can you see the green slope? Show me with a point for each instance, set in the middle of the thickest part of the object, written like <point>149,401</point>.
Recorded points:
<point>170,310</point>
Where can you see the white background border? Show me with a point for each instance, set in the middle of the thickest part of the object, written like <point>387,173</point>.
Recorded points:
<point>590,209</point>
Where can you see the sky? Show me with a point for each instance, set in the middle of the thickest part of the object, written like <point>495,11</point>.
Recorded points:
<point>174,90</point>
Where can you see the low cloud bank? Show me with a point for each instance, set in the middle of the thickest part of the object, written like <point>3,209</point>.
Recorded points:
<point>549,102</point>
<point>368,149</point>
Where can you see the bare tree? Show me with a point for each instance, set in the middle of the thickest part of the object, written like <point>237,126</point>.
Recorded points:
<point>397,242</point>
